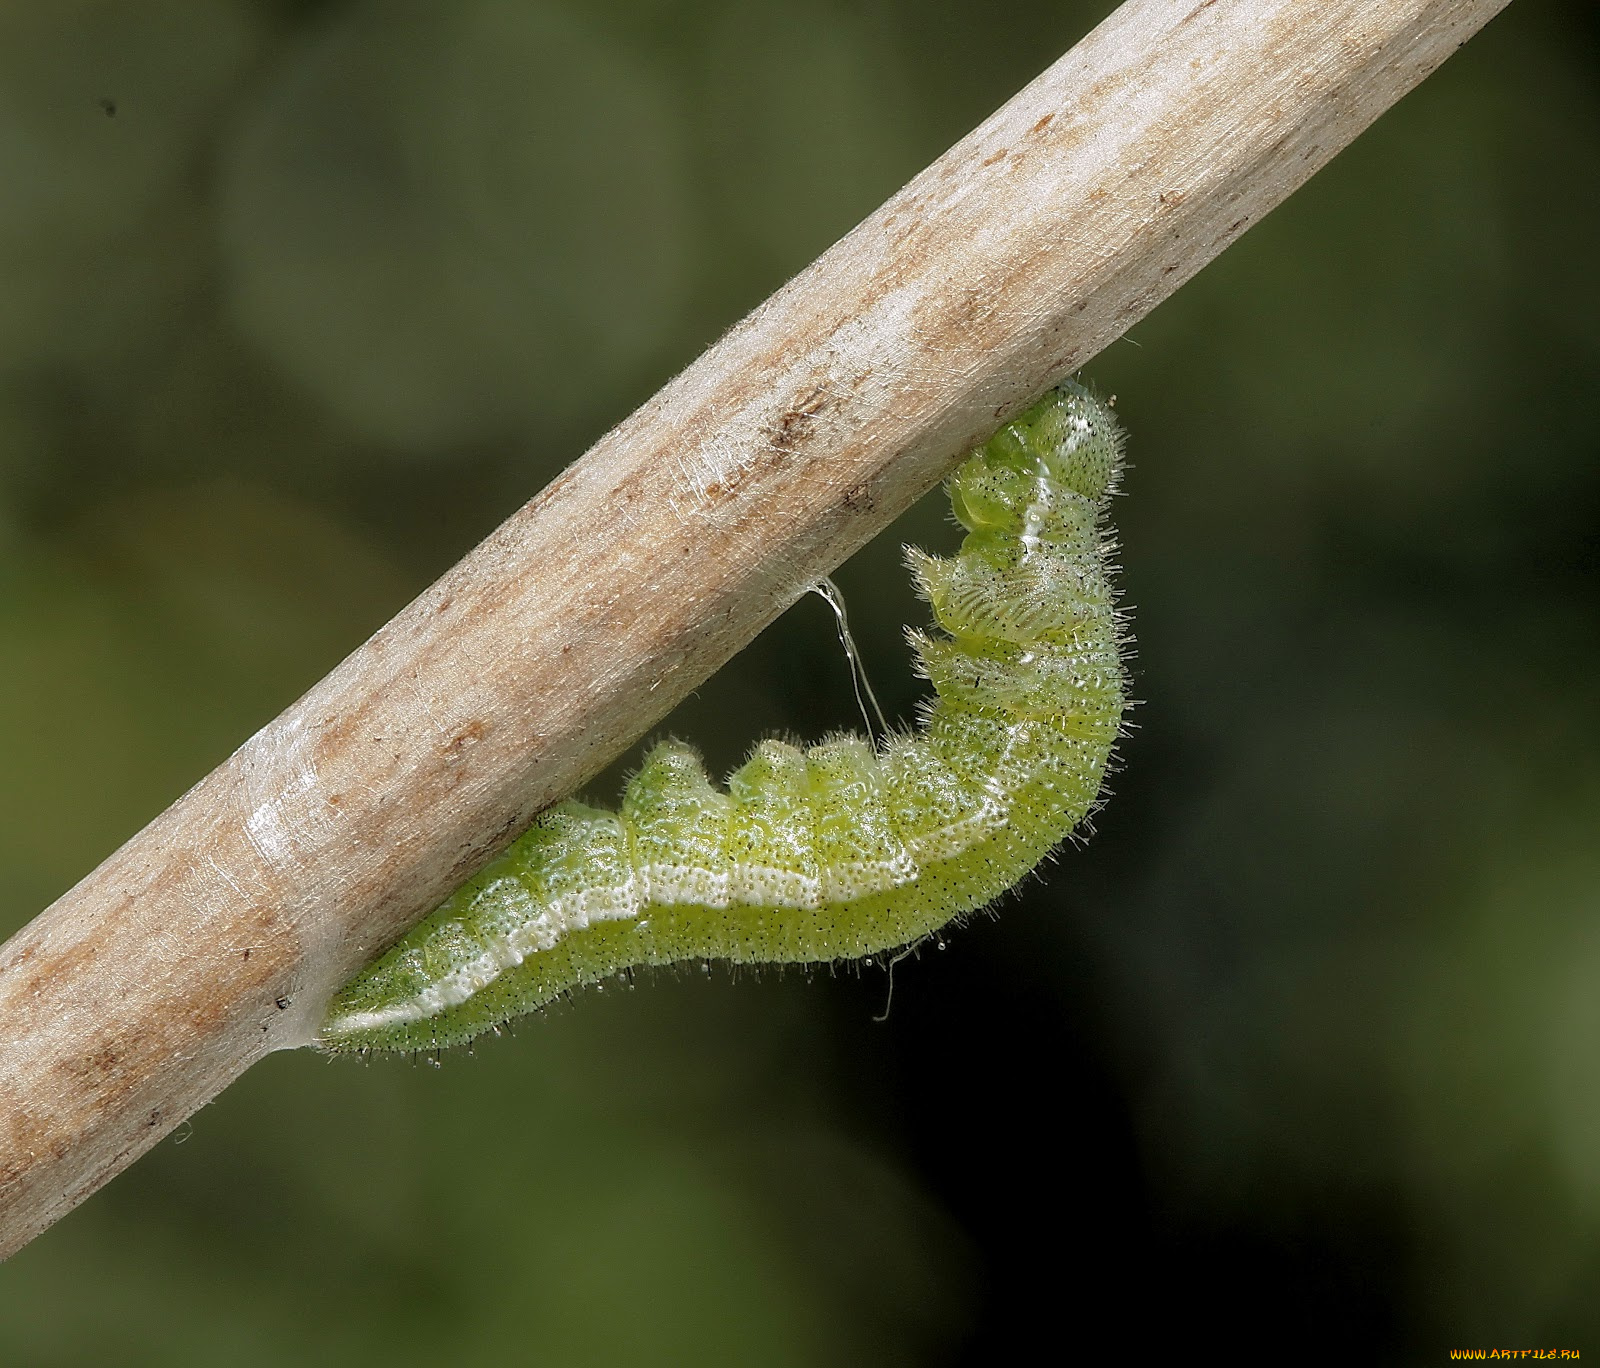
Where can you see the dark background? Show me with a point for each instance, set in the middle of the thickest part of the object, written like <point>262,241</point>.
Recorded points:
<point>1298,1059</point>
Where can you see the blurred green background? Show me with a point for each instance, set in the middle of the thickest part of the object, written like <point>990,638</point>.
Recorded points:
<point>1300,1056</point>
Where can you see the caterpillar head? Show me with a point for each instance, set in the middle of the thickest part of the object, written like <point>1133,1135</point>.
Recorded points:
<point>1032,498</point>
<point>1036,471</point>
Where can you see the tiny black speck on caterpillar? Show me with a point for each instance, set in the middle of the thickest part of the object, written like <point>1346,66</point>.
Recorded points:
<point>842,850</point>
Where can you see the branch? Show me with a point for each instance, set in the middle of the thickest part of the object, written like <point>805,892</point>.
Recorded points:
<point>218,933</point>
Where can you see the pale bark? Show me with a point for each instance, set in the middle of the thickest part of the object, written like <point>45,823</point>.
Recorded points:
<point>218,933</point>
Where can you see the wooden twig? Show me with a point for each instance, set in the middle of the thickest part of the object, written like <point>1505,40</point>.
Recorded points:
<point>218,933</point>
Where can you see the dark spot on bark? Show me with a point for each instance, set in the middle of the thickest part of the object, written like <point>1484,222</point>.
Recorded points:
<point>100,1062</point>
<point>794,423</point>
<point>1043,124</point>
<point>466,738</point>
<point>282,1003</point>
<point>993,157</point>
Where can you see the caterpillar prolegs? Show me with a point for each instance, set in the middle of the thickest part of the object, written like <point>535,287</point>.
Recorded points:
<point>844,849</point>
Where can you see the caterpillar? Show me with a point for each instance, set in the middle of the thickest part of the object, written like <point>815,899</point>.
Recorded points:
<point>844,849</point>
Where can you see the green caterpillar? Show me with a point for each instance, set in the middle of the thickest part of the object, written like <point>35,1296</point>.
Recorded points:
<point>847,848</point>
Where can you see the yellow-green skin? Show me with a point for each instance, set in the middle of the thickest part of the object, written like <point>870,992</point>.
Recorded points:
<point>841,850</point>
